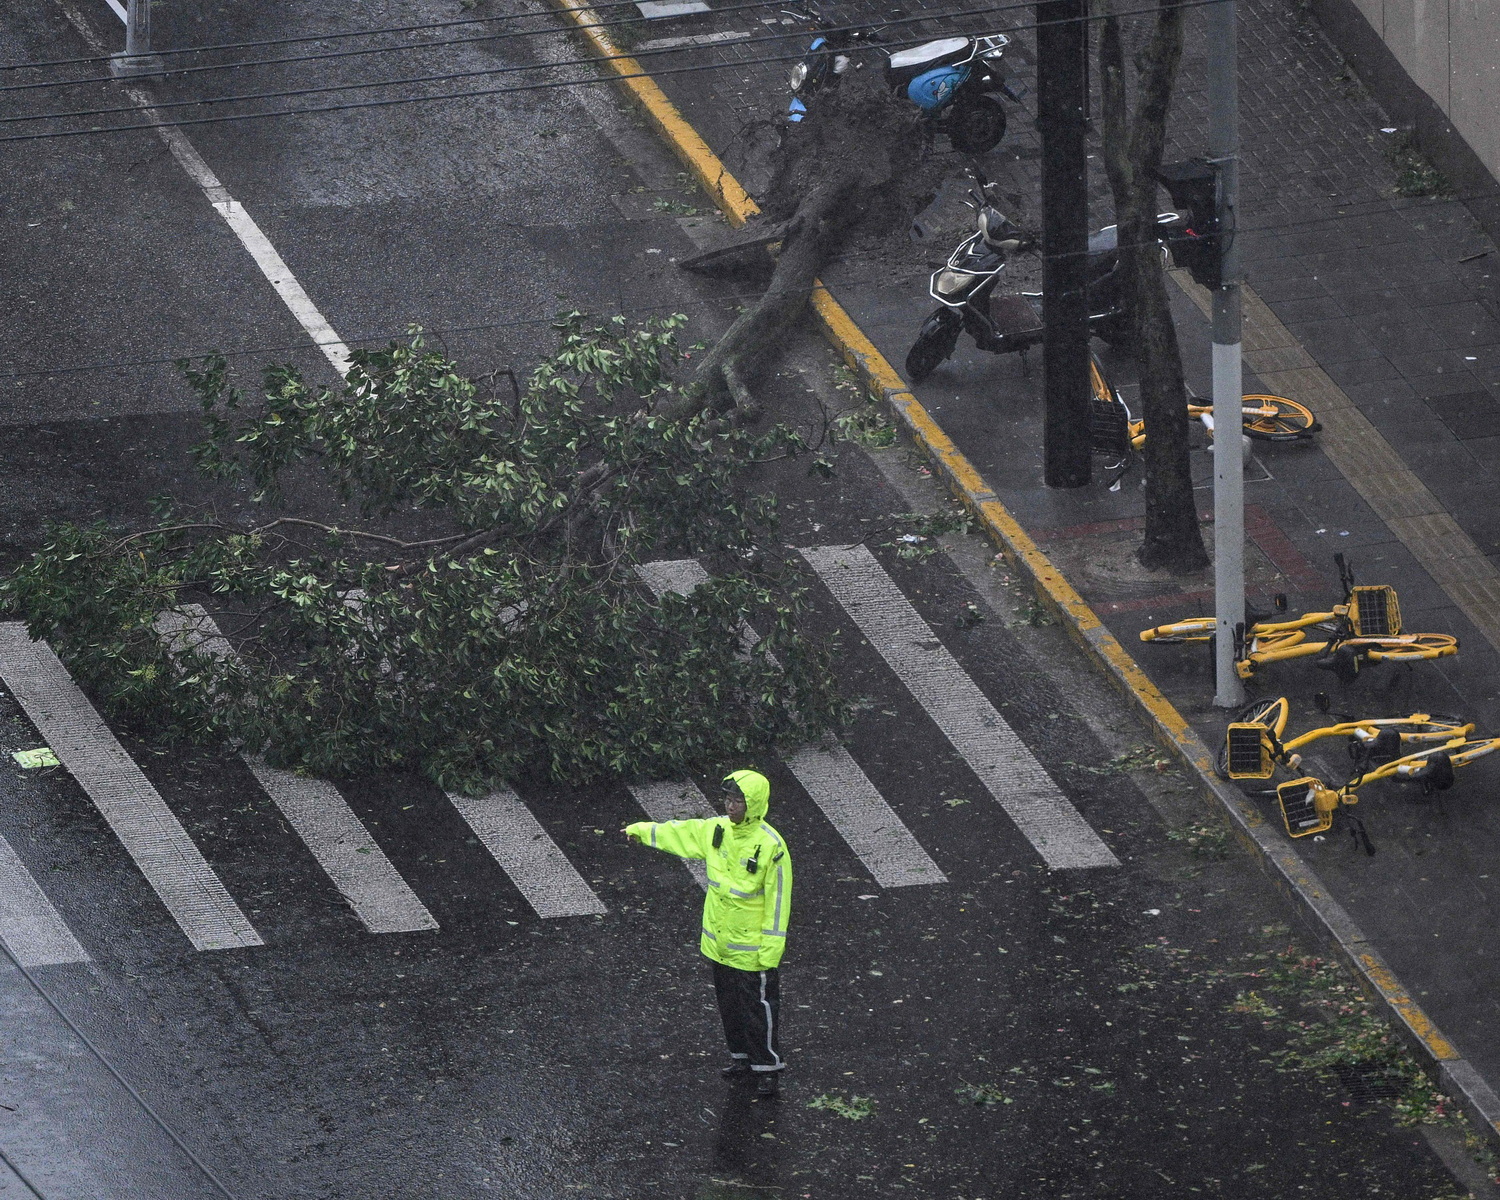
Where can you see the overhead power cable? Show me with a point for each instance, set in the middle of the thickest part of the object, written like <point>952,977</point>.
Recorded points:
<point>16,1171</point>
<point>382,338</point>
<point>328,37</point>
<point>486,92</point>
<point>175,72</point>
<point>443,77</point>
<point>120,1079</point>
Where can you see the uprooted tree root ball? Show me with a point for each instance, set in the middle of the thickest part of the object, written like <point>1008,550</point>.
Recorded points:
<point>858,168</point>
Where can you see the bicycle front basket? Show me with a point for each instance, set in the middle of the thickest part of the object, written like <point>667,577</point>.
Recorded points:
<point>1249,746</point>
<point>1375,611</point>
<point>1299,808</point>
<point>1109,427</point>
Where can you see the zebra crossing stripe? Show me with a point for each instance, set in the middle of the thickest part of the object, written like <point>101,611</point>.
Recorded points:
<point>967,719</point>
<point>830,776</point>
<point>152,836</point>
<point>321,817</point>
<point>533,860</point>
<point>682,575</point>
<point>839,786</point>
<point>33,930</point>
<point>676,802</point>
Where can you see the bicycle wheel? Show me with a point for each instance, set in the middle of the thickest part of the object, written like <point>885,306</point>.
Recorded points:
<point>1194,629</point>
<point>1259,712</point>
<point>1422,645</point>
<point>1438,723</point>
<point>1289,422</point>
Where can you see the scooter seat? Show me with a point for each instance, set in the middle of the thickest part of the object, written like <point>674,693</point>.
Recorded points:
<point>1014,316</point>
<point>905,65</point>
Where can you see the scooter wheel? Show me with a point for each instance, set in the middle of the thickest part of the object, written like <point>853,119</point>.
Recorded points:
<point>935,342</point>
<point>976,125</point>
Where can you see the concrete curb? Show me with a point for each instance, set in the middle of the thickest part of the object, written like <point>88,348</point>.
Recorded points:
<point>1296,879</point>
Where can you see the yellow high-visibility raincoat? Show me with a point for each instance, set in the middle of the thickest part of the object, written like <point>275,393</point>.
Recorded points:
<point>749,900</point>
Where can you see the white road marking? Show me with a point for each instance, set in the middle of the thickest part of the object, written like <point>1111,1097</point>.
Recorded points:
<point>31,927</point>
<point>533,860</point>
<point>682,575</point>
<point>345,850</point>
<point>830,776</point>
<point>850,801</point>
<point>314,808</point>
<point>702,39</point>
<point>119,10</point>
<point>655,10</point>
<point>261,250</point>
<point>152,836</point>
<point>970,722</point>
<point>676,802</point>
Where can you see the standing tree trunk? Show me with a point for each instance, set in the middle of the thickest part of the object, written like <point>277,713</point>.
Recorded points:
<point>1132,152</point>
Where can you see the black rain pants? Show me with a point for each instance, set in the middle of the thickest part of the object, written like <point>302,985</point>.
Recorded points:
<point>750,1004</point>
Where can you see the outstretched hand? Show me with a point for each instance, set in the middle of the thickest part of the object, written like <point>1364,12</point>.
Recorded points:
<point>630,837</point>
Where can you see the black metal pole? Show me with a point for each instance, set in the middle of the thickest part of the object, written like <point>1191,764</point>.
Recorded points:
<point>1062,49</point>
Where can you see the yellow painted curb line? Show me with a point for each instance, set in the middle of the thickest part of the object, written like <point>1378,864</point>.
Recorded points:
<point>1021,551</point>
<point>732,199</point>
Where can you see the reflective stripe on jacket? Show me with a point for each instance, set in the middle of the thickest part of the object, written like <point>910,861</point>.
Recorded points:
<point>746,911</point>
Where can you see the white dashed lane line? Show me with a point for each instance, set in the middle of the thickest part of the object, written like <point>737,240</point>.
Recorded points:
<point>249,233</point>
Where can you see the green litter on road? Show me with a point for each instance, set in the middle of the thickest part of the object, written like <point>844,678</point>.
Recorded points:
<point>42,756</point>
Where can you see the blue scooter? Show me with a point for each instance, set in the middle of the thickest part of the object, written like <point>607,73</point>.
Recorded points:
<point>953,80</point>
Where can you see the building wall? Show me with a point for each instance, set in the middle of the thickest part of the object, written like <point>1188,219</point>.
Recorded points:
<point>1451,51</point>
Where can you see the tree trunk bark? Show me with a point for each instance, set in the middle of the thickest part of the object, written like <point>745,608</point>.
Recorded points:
<point>1132,154</point>
<point>814,235</point>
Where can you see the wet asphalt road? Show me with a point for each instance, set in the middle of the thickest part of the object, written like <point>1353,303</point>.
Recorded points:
<point>504,1054</point>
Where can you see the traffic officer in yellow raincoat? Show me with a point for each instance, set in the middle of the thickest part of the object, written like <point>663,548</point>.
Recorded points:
<point>745,915</point>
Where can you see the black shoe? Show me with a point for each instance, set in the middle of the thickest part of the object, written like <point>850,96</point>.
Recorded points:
<point>738,1069</point>
<point>767,1083</point>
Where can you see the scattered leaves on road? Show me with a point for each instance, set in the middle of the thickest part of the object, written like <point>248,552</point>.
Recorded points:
<point>855,1108</point>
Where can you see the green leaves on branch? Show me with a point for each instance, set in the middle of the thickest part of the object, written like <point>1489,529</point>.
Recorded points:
<point>510,635</point>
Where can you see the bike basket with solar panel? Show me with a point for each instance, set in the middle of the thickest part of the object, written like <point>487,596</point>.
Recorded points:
<point>1375,611</point>
<point>1249,751</point>
<point>1300,810</point>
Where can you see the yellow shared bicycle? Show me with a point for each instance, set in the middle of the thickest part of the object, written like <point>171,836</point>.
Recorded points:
<point>1254,745</point>
<point>1365,628</point>
<point>1309,806</point>
<point>1266,418</point>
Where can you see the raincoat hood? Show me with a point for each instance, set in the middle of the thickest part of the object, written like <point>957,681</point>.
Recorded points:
<point>747,902</point>
<point>756,789</point>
